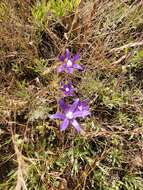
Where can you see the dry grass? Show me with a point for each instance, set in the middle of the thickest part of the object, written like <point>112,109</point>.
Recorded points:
<point>108,154</point>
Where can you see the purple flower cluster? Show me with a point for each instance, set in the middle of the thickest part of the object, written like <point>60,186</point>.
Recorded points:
<point>70,113</point>
<point>78,109</point>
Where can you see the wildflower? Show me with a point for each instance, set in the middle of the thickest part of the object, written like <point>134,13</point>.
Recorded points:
<point>63,105</point>
<point>83,105</point>
<point>69,64</point>
<point>67,88</point>
<point>69,115</point>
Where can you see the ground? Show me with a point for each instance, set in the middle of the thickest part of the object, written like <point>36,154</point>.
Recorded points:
<point>108,152</point>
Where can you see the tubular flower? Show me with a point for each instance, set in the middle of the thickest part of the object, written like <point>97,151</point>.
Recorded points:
<point>69,64</point>
<point>69,115</point>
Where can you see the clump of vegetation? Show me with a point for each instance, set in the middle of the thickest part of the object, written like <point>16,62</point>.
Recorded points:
<point>107,152</point>
<point>55,9</point>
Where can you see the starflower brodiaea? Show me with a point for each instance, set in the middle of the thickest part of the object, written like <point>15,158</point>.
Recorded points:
<point>69,115</point>
<point>69,63</point>
<point>83,105</point>
<point>67,88</point>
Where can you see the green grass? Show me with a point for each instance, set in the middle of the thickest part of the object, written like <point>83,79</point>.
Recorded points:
<point>43,10</point>
<point>107,154</point>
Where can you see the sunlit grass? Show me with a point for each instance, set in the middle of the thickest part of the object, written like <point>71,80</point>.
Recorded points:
<point>107,154</point>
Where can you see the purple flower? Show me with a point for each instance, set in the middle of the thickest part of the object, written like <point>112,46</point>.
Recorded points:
<point>69,115</point>
<point>83,105</point>
<point>67,89</point>
<point>69,64</point>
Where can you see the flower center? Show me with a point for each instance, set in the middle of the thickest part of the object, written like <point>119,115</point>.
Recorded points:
<point>80,108</point>
<point>69,115</point>
<point>69,63</point>
<point>67,89</point>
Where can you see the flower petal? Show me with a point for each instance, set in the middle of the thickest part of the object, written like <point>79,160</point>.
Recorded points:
<point>83,113</point>
<point>69,85</point>
<point>86,101</point>
<point>86,108</point>
<point>75,57</point>
<point>67,93</point>
<point>74,105</point>
<point>61,68</point>
<point>57,116</point>
<point>61,58</point>
<point>76,125</point>
<point>77,66</point>
<point>64,125</point>
<point>67,54</point>
<point>83,105</point>
<point>62,104</point>
<point>67,89</point>
<point>69,70</point>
